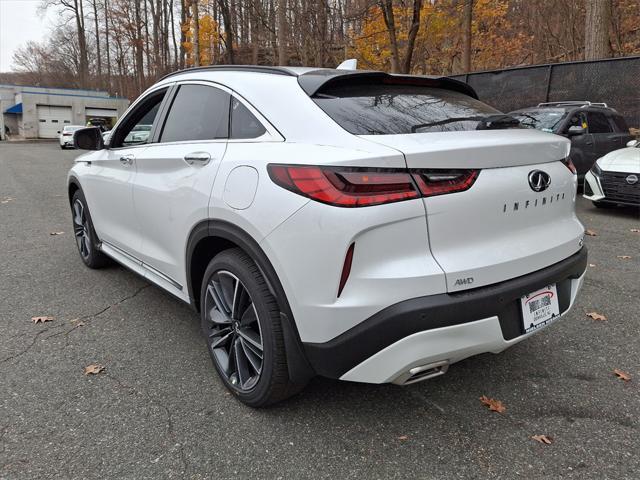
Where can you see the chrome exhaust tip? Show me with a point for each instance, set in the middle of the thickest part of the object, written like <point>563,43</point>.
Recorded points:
<point>422,372</point>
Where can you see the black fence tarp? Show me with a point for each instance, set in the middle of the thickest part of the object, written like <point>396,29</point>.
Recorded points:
<point>615,82</point>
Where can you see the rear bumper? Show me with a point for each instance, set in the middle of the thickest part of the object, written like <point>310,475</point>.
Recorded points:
<point>444,327</point>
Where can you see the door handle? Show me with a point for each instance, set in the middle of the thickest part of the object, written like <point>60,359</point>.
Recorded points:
<point>201,158</point>
<point>127,159</point>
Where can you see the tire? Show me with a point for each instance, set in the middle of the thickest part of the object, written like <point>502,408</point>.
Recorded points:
<point>238,332</point>
<point>85,235</point>
<point>604,204</point>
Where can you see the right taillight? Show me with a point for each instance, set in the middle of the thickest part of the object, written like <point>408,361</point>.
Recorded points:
<point>363,187</point>
<point>440,182</point>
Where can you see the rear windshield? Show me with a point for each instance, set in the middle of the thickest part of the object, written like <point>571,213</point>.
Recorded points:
<point>546,120</point>
<point>398,109</point>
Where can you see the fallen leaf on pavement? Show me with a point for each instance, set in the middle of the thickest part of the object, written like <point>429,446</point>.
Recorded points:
<point>596,316</point>
<point>635,230</point>
<point>547,440</point>
<point>592,264</point>
<point>622,375</point>
<point>56,233</point>
<point>591,233</point>
<point>494,405</point>
<point>77,322</point>
<point>6,200</point>
<point>93,369</point>
<point>403,437</point>
<point>42,319</point>
<point>624,257</point>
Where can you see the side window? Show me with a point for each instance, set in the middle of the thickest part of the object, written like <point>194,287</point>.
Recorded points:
<point>136,128</point>
<point>198,112</point>
<point>620,124</point>
<point>578,119</point>
<point>243,123</point>
<point>598,123</point>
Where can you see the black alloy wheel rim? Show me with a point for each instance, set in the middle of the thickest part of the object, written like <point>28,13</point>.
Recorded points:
<point>81,229</point>
<point>233,331</point>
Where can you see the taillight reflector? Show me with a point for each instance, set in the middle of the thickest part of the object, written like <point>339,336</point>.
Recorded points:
<point>346,268</point>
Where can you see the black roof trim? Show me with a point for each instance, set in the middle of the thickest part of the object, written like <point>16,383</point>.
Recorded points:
<point>234,68</point>
<point>312,82</point>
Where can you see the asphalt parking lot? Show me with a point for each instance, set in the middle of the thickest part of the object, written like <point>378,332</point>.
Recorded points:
<point>158,410</point>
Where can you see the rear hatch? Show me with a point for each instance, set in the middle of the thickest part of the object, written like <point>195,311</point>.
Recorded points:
<point>499,228</point>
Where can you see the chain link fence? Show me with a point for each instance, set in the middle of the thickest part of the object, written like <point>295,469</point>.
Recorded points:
<point>615,82</point>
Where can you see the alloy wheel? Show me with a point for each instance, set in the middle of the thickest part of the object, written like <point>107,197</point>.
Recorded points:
<point>81,229</point>
<point>233,330</point>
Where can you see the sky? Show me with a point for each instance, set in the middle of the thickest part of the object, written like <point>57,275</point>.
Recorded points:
<point>19,23</point>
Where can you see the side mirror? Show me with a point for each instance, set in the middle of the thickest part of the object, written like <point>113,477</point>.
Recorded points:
<point>88,139</point>
<point>576,130</point>
<point>633,143</point>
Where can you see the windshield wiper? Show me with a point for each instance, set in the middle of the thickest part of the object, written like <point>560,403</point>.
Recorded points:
<point>485,122</point>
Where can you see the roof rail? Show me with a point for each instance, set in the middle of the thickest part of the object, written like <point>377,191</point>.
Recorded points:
<point>236,68</point>
<point>579,103</point>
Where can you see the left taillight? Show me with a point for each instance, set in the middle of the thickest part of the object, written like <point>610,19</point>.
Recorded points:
<point>345,186</point>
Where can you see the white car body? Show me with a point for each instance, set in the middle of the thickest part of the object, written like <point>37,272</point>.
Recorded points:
<point>65,138</point>
<point>149,209</point>
<point>615,178</point>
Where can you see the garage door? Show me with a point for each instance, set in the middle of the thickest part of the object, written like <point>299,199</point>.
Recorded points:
<point>101,112</point>
<point>51,119</point>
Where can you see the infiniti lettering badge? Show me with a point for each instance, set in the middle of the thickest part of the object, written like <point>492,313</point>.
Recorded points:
<point>539,180</point>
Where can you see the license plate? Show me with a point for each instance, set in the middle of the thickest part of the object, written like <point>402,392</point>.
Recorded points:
<point>539,308</point>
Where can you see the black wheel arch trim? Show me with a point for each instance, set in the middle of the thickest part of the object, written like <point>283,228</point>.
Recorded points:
<point>300,370</point>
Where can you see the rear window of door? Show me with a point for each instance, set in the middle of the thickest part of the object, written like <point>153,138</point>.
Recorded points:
<point>598,123</point>
<point>198,112</point>
<point>380,109</point>
<point>244,124</point>
<point>620,124</point>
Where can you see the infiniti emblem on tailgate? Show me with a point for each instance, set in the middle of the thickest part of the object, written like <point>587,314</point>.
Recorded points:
<point>539,180</point>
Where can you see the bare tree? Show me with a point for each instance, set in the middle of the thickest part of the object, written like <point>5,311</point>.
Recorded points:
<point>467,20</point>
<point>596,30</point>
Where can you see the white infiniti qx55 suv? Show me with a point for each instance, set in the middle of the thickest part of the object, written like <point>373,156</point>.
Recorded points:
<point>352,224</point>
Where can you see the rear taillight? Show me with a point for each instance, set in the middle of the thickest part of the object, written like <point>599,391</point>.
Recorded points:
<point>345,187</point>
<point>440,182</point>
<point>569,164</point>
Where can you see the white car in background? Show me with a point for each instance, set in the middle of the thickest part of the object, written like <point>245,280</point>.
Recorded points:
<point>65,137</point>
<point>615,178</point>
<point>352,224</point>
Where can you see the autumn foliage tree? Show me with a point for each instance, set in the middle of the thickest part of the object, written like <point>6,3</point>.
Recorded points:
<point>125,45</point>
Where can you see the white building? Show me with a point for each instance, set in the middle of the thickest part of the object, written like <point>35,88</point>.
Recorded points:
<point>40,112</point>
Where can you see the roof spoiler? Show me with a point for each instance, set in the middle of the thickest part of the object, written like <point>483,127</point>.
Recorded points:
<point>314,81</point>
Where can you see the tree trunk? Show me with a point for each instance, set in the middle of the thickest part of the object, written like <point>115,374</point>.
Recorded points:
<point>106,40</point>
<point>413,33</point>
<point>176,61</point>
<point>282,32</point>
<point>196,33</point>
<point>184,18</point>
<point>97,33</point>
<point>596,30</point>
<point>389,20</point>
<point>228,30</point>
<point>83,64</point>
<point>467,19</point>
